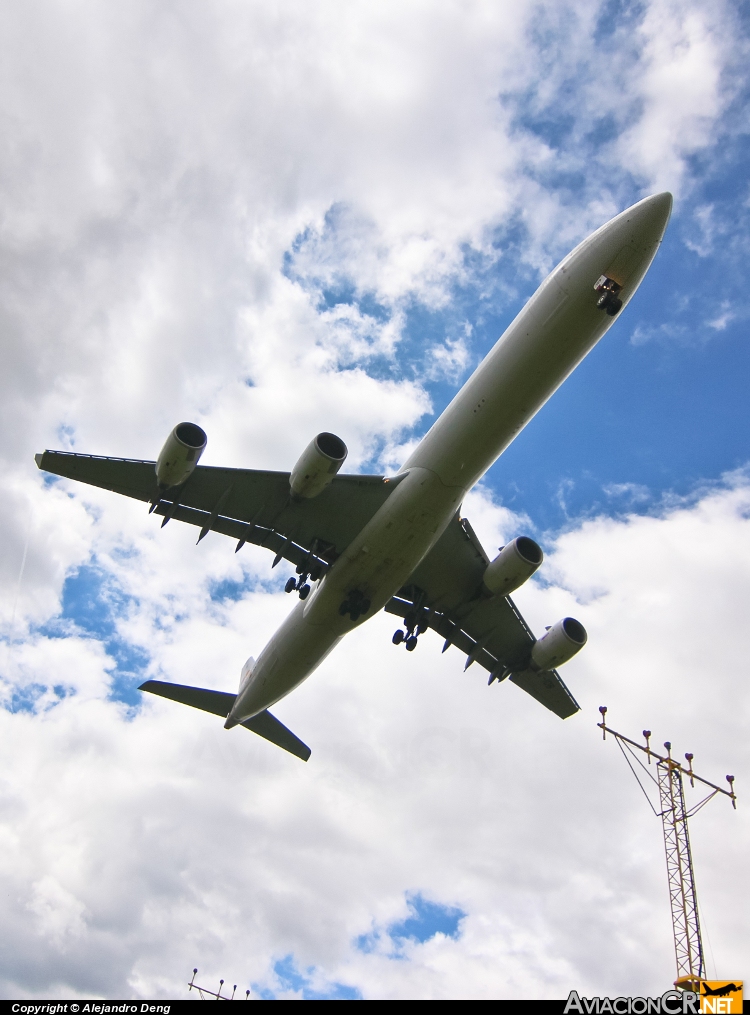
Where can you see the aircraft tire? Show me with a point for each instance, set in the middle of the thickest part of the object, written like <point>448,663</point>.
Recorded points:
<point>411,643</point>
<point>398,637</point>
<point>291,585</point>
<point>304,592</point>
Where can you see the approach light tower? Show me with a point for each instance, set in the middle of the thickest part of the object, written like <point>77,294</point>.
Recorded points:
<point>674,815</point>
<point>216,995</point>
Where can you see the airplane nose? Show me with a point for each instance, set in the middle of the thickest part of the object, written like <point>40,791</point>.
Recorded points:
<point>646,221</point>
<point>625,246</point>
<point>654,211</point>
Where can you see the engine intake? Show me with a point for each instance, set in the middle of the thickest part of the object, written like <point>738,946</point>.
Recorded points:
<point>559,644</point>
<point>514,565</point>
<point>180,454</point>
<point>318,464</point>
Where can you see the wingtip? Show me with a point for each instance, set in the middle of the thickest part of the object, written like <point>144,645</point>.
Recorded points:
<point>38,459</point>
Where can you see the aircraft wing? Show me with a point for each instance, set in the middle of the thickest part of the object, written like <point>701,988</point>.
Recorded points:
<point>445,593</point>
<point>248,505</point>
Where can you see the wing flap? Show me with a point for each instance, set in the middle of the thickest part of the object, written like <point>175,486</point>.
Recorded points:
<point>220,702</point>
<point>549,689</point>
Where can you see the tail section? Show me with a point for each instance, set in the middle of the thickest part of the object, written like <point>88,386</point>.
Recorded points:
<point>246,673</point>
<point>220,703</point>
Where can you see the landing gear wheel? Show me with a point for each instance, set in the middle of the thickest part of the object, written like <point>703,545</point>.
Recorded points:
<point>411,643</point>
<point>608,299</point>
<point>304,592</point>
<point>316,572</point>
<point>421,627</point>
<point>291,585</point>
<point>398,637</point>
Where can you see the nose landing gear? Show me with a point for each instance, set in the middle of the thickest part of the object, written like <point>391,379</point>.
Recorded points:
<point>608,298</point>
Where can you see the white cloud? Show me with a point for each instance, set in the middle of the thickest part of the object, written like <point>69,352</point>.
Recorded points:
<point>685,50</point>
<point>669,332</point>
<point>177,191</point>
<point>723,318</point>
<point>450,359</point>
<point>59,913</point>
<point>632,493</point>
<point>170,843</point>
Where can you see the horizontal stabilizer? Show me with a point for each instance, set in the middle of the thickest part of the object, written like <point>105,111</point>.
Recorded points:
<point>269,727</point>
<point>220,703</point>
<point>217,702</point>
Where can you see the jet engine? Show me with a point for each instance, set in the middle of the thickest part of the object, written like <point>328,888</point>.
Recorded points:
<point>318,464</point>
<point>180,454</point>
<point>558,645</point>
<point>514,565</point>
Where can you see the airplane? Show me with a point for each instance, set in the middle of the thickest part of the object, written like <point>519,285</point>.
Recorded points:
<point>363,543</point>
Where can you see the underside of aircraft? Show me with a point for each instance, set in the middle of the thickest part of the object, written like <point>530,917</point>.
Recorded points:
<point>447,592</point>
<point>361,543</point>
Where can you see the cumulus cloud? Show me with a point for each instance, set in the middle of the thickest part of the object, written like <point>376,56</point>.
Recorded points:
<point>229,214</point>
<point>163,842</point>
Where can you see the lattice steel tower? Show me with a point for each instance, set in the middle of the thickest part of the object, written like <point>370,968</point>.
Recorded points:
<point>674,816</point>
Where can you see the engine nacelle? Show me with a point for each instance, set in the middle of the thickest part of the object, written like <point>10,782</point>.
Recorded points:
<point>180,454</point>
<point>559,644</point>
<point>514,565</point>
<point>318,464</point>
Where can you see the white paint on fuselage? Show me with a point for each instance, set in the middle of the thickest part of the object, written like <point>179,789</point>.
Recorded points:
<point>551,335</point>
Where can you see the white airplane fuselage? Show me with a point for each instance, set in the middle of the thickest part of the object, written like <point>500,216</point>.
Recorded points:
<point>558,326</point>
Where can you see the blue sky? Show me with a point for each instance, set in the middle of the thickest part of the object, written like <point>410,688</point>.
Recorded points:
<point>279,223</point>
<point>425,920</point>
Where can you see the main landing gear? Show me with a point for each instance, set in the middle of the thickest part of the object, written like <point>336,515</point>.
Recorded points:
<point>301,584</point>
<point>608,298</point>
<point>413,621</point>
<point>355,604</point>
